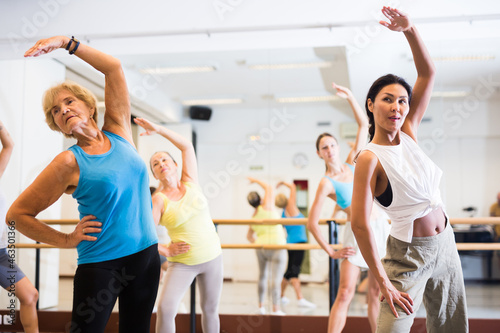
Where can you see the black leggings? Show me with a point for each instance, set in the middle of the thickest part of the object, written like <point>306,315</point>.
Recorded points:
<point>132,279</point>
<point>295,258</point>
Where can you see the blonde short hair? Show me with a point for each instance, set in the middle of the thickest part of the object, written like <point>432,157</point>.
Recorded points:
<point>80,92</point>
<point>281,200</point>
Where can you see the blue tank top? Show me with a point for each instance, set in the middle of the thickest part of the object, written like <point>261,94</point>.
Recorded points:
<point>295,233</point>
<point>114,187</point>
<point>343,190</point>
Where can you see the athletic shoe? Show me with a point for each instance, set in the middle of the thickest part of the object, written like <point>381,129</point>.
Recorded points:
<point>284,300</point>
<point>304,303</point>
<point>262,310</point>
<point>278,313</point>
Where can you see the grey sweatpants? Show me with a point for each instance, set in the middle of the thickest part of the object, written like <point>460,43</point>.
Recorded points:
<point>177,281</point>
<point>429,270</point>
<point>276,260</point>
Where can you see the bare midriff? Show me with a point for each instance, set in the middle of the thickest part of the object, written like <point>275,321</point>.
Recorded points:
<point>430,225</point>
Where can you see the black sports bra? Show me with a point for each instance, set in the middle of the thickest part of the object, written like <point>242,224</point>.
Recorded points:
<point>385,199</point>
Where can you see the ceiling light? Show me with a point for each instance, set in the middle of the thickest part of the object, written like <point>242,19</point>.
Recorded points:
<point>322,64</point>
<point>212,101</point>
<point>449,94</point>
<point>178,70</point>
<point>465,58</point>
<point>307,99</point>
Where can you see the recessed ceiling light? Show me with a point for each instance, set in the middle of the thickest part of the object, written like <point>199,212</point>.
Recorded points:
<point>212,101</point>
<point>177,70</point>
<point>306,99</point>
<point>322,64</point>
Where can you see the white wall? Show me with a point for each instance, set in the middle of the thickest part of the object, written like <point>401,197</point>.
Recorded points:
<point>226,157</point>
<point>21,89</point>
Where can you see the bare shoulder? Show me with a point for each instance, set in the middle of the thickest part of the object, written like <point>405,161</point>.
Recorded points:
<point>157,198</point>
<point>325,186</point>
<point>113,127</point>
<point>66,159</point>
<point>366,160</point>
<point>66,169</point>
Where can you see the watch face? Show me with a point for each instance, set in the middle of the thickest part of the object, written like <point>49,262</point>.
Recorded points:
<point>300,160</point>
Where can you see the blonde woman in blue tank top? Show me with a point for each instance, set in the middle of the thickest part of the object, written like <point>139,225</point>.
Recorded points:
<point>195,250</point>
<point>337,185</point>
<point>115,238</point>
<point>422,263</point>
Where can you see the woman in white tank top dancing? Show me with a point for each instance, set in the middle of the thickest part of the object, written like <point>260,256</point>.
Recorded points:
<point>422,263</point>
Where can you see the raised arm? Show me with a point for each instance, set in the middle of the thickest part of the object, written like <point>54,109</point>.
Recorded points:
<point>57,178</point>
<point>116,97</point>
<point>189,166</point>
<point>361,120</point>
<point>313,223</point>
<point>268,200</point>
<point>399,21</point>
<point>365,181</point>
<point>7,148</point>
<point>291,206</point>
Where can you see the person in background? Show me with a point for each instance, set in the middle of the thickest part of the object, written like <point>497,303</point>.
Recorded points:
<point>12,277</point>
<point>194,250</point>
<point>295,234</point>
<point>115,238</point>
<point>495,212</point>
<point>269,260</point>
<point>337,185</point>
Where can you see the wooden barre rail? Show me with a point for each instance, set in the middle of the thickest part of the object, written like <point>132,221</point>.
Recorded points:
<point>301,221</point>
<point>460,246</point>
<point>292,221</point>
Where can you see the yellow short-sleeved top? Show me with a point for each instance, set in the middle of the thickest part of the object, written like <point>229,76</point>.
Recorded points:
<point>268,234</point>
<point>188,220</point>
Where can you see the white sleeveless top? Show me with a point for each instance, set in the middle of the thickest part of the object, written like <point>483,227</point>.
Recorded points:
<point>414,180</point>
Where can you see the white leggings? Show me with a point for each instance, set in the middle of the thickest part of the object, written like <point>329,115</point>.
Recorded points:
<point>178,278</point>
<point>277,260</point>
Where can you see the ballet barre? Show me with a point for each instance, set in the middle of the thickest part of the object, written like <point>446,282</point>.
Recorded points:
<point>295,221</point>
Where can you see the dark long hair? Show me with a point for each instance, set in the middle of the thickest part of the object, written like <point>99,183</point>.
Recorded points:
<point>378,85</point>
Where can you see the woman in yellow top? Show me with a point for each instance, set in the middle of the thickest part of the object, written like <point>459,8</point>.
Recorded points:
<point>267,234</point>
<point>195,250</point>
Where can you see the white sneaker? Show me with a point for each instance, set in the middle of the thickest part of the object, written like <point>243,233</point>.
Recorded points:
<point>262,310</point>
<point>278,313</point>
<point>306,304</point>
<point>284,300</point>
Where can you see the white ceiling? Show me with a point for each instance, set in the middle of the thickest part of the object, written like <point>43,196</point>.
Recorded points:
<point>231,34</point>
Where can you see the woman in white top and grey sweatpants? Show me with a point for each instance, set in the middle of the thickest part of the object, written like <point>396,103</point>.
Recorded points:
<point>422,263</point>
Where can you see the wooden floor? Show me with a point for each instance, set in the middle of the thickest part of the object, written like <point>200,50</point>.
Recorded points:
<point>58,321</point>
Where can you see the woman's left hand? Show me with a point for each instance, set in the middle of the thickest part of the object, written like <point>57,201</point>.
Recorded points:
<point>398,21</point>
<point>47,45</point>
<point>150,127</point>
<point>83,228</point>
